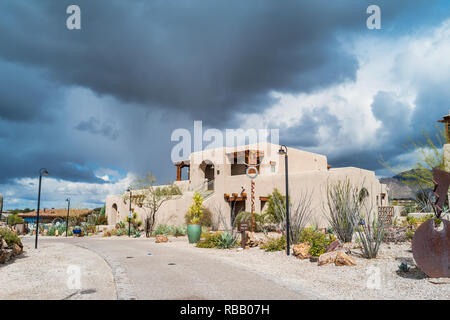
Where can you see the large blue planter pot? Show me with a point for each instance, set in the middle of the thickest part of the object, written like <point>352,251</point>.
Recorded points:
<point>194,232</point>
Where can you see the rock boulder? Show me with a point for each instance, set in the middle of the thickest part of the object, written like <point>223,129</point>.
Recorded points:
<point>339,258</point>
<point>161,238</point>
<point>334,246</point>
<point>17,250</point>
<point>301,251</point>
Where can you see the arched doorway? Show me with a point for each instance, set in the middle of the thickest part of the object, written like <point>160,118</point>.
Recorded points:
<point>114,214</point>
<point>208,169</point>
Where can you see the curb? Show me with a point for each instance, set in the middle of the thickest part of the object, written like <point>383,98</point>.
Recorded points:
<point>124,288</point>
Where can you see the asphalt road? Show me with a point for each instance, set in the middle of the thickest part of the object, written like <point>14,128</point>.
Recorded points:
<point>176,273</point>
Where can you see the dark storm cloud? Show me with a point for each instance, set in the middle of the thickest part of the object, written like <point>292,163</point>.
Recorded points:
<point>306,132</point>
<point>94,126</point>
<point>202,57</point>
<point>24,95</point>
<point>28,165</point>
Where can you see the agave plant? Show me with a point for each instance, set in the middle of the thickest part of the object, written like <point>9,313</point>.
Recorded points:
<point>226,241</point>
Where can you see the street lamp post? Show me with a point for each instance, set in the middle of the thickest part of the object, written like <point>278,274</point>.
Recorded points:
<point>283,150</point>
<point>129,214</point>
<point>67,220</point>
<point>42,172</point>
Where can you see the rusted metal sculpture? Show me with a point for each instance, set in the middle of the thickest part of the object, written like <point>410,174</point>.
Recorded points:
<point>431,247</point>
<point>441,180</point>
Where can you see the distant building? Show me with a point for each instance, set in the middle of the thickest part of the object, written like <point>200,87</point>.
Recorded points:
<point>48,215</point>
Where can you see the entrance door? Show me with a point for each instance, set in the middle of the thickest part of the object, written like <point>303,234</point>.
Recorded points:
<point>209,174</point>
<point>114,214</point>
<point>235,208</point>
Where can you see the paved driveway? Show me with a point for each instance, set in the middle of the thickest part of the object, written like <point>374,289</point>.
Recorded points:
<point>169,272</point>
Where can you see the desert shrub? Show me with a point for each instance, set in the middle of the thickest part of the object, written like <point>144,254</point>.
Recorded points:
<point>409,234</point>
<point>244,216</point>
<point>210,240</point>
<point>342,207</point>
<point>51,231</point>
<point>162,229</point>
<point>179,231</point>
<point>102,220</point>
<point>273,211</point>
<point>317,240</point>
<point>372,229</point>
<point>121,232</point>
<point>103,210</point>
<point>226,240</point>
<point>10,237</point>
<point>134,221</point>
<point>205,244</point>
<point>107,234</point>
<point>299,214</point>
<point>274,244</point>
<point>170,230</point>
<point>206,218</point>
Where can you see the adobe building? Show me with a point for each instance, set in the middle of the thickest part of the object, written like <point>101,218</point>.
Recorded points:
<point>50,215</point>
<point>222,177</point>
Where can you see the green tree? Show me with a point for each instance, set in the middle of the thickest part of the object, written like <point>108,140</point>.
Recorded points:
<point>273,201</point>
<point>151,198</point>
<point>14,219</point>
<point>103,210</point>
<point>429,155</point>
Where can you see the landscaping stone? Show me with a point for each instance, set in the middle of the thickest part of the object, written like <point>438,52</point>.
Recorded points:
<point>5,255</point>
<point>161,238</point>
<point>329,257</point>
<point>339,258</point>
<point>17,250</point>
<point>301,251</point>
<point>342,259</point>
<point>254,239</point>
<point>2,256</point>
<point>334,246</point>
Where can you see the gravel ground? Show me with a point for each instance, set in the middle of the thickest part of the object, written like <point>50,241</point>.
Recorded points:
<point>45,273</point>
<point>370,279</point>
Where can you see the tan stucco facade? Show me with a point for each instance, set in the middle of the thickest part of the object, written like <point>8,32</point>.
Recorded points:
<point>212,169</point>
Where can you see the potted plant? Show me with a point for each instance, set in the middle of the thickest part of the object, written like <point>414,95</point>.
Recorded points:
<point>77,231</point>
<point>194,227</point>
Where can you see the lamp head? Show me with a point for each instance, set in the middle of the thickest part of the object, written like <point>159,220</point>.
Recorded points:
<point>282,151</point>
<point>43,172</point>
